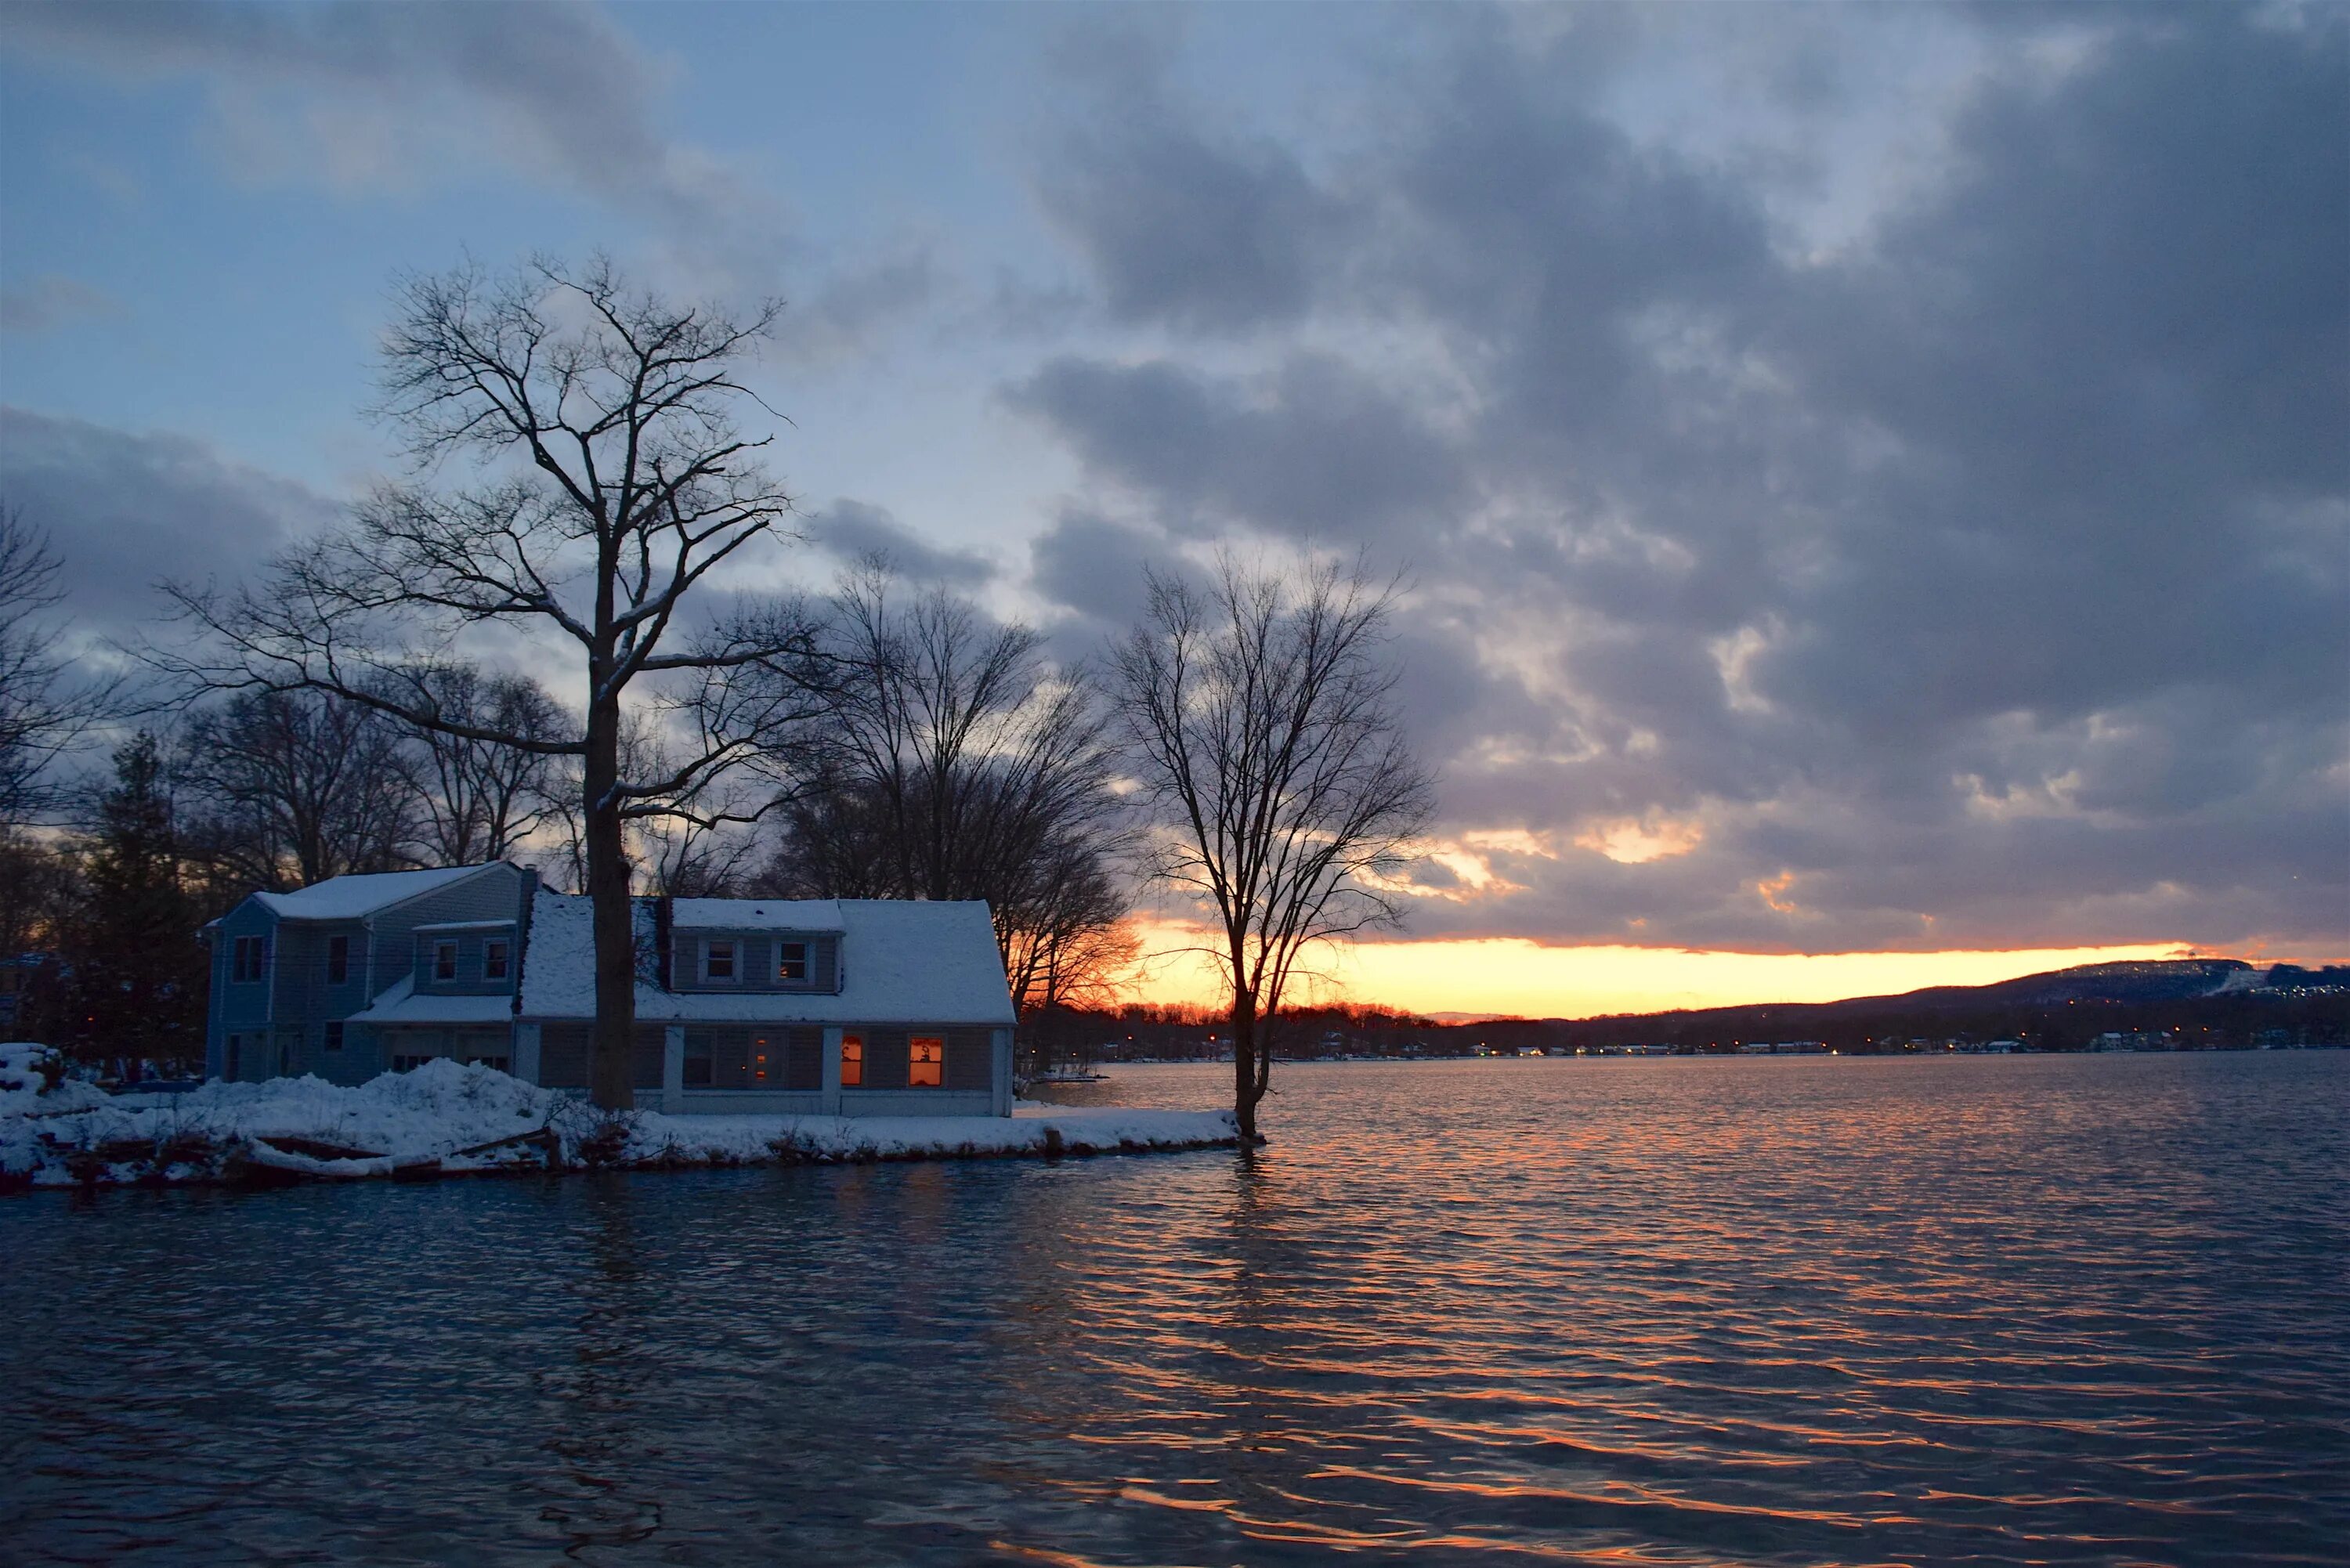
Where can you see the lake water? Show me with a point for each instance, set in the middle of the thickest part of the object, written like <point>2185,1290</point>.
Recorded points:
<point>1983,1310</point>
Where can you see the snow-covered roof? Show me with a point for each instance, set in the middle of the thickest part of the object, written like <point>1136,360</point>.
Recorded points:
<point>756,914</point>
<point>902,962</point>
<point>401,1005</point>
<point>443,927</point>
<point>350,898</point>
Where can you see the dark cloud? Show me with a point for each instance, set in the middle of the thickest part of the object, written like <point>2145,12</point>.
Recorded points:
<point>1099,568</point>
<point>125,510</point>
<point>1981,579</point>
<point>851,530</point>
<point>1312,450</point>
<point>1214,232</point>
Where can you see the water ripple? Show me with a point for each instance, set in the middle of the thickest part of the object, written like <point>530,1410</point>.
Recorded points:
<point>2007,1309</point>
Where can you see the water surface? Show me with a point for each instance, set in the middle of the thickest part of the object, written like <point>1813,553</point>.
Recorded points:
<point>1786,1311</point>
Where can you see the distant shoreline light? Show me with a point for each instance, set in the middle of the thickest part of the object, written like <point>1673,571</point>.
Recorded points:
<point>1499,977</point>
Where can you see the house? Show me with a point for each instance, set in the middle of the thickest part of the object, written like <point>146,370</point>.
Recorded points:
<point>828,1006</point>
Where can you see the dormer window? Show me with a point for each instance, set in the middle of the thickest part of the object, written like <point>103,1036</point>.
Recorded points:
<point>791,960</point>
<point>496,955</point>
<point>445,961</point>
<point>718,959</point>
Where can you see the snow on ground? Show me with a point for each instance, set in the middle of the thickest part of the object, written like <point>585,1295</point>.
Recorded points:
<point>451,1118</point>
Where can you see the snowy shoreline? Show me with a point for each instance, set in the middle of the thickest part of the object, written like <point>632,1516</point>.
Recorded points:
<point>446,1119</point>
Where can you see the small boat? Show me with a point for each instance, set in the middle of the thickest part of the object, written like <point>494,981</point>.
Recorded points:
<point>1070,1075</point>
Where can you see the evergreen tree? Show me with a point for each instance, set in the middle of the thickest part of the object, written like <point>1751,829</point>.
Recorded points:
<point>139,967</point>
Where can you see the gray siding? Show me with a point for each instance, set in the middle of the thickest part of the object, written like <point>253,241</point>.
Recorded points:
<point>237,1042</point>
<point>473,947</point>
<point>754,1058</point>
<point>563,1055</point>
<point>758,960</point>
<point>495,895</point>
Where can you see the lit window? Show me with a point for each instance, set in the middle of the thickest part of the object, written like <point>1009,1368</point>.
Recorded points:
<point>759,1059</point>
<point>718,960</point>
<point>338,959</point>
<point>445,961</point>
<point>926,1059</point>
<point>494,959</point>
<point>791,960</point>
<point>852,1061</point>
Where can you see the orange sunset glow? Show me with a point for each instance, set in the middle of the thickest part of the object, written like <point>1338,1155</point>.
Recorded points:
<point>1513,977</point>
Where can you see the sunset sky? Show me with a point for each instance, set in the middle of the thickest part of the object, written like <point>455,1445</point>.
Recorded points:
<point>1873,483</point>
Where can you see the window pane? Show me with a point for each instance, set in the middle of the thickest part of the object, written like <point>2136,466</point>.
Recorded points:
<point>926,1057</point>
<point>338,959</point>
<point>791,960</point>
<point>493,961</point>
<point>445,961</point>
<point>852,1061</point>
<point>719,961</point>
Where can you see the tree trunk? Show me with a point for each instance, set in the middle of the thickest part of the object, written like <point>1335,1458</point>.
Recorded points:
<point>1246,1090</point>
<point>611,1072</point>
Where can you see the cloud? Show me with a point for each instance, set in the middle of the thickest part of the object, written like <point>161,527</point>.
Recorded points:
<point>1213,233</point>
<point>1313,449</point>
<point>124,511</point>
<point>357,95</point>
<point>50,301</point>
<point>1976,579</point>
<point>852,530</point>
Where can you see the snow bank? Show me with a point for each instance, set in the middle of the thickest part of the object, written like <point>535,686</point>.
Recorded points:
<point>446,1117</point>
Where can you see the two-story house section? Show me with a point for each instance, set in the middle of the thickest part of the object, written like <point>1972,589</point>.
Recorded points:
<point>312,981</point>
<point>844,1007</point>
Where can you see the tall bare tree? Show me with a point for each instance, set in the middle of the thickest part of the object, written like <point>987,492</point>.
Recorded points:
<point>958,764</point>
<point>1263,728</point>
<point>282,789</point>
<point>480,797</point>
<point>43,711</point>
<point>611,478</point>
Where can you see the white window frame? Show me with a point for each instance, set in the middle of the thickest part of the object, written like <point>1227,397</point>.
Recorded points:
<point>784,950</point>
<point>733,975</point>
<point>501,948</point>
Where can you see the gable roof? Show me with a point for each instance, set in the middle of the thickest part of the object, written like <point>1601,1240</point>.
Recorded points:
<point>756,914</point>
<point>361,893</point>
<point>902,962</point>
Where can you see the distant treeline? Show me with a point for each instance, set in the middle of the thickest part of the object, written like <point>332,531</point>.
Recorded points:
<point>2292,1006</point>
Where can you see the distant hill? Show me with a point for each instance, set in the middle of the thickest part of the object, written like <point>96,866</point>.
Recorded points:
<point>2210,999</point>
<point>2118,984</point>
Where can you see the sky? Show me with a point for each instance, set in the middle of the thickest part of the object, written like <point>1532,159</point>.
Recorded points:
<point>1873,483</point>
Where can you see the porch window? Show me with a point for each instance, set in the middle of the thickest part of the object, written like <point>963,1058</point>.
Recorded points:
<point>759,1061</point>
<point>338,959</point>
<point>495,957</point>
<point>445,961</point>
<point>718,960</point>
<point>791,960</point>
<point>852,1061</point>
<point>698,1067</point>
<point>926,1061</point>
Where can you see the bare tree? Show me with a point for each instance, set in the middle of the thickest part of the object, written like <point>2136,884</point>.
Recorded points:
<point>958,764</point>
<point>480,797</point>
<point>1263,732</point>
<point>612,480</point>
<point>43,712</point>
<point>282,789</point>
